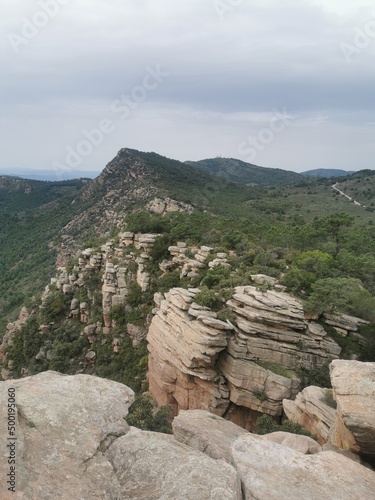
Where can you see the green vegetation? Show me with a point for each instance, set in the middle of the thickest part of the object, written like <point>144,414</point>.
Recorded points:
<point>265,425</point>
<point>142,414</point>
<point>30,221</point>
<point>278,369</point>
<point>346,295</point>
<point>245,173</point>
<point>317,376</point>
<point>328,399</point>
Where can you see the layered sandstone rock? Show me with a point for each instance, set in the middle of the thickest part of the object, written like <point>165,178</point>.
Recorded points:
<point>183,353</point>
<point>242,369</point>
<point>311,410</point>
<point>353,384</point>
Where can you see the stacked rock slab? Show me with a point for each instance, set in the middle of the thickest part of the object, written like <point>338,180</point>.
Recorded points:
<point>198,362</point>
<point>353,385</point>
<point>311,410</point>
<point>184,341</point>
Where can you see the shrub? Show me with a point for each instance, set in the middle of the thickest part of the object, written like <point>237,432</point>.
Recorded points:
<point>208,298</point>
<point>318,376</point>
<point>265,425</point>
<point>142,415</point>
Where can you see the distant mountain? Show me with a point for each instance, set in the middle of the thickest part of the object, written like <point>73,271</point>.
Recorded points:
<point>49,175</point>
<point>326,172</point>
<point>18,194</point>
<point>245,173</point>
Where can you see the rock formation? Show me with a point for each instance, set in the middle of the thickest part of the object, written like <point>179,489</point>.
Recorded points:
<point>241,368</point>
<point>311,410</point>
<point>153,466</point>
<point>270,471</point>
<point>341,418</point>
<point>71,441</point>
<point>64,425</point>
<point>353,385</point>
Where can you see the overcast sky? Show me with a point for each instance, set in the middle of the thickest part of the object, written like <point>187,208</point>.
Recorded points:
<point>286,84</point>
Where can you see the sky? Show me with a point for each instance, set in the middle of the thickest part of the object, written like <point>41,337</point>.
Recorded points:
<point>287,84</point>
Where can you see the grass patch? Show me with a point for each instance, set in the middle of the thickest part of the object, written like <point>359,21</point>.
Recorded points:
<point>278,369</point>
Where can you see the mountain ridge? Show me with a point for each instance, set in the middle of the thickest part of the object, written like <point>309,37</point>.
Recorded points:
<point>239,171</point>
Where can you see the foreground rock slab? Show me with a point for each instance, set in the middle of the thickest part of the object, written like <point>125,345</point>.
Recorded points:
<point>64,424</point>
<point>353,384</point>
<point>153,466</point>
<point>270,471</point>
<point>206,432</point>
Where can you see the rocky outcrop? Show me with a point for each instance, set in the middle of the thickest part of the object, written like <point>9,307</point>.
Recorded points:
<point>302,444</point>
<point>311,410</point>
<point>184,342</point>
<point>272,328</point>
<point>270,471</point>
<point>277,465</point>
<point>206,432</point>
<point>162,206</point>
<point>71,441</point>
<point>63,425</point>
<point>7,342</point>
<point>343,324</point>
<point>353,385</point>
<point>151,466</point>
<point>240,368</point>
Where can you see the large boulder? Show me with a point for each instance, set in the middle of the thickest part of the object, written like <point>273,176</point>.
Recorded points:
<point>313,410</point>
<point>270,471</point>
<point>63,426</point>
<point>353,384</point>
<point>303,444</point>
<point>153,466</point>
<point>206,432</point>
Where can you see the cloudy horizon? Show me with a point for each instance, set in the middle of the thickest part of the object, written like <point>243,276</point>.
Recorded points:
<point>287,86</point>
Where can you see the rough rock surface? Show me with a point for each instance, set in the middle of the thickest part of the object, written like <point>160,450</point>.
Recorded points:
<point>311,410</point>
<point>270,471</point>
<point>183,352</point>
<point>206,432</point>
<point>303,444</point>
<point>153,466</point>
<point>64,424</point>
<point>353,383</point>
<point>7,341</point>
<point>241,368</point>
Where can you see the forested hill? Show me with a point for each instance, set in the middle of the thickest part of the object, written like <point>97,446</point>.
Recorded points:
<point>24,194</point>
<point>246,173</point>
<point>40,221</point>
<point>326,172</point>
<point>32,214</point>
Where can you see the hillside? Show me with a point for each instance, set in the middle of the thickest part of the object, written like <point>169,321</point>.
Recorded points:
<point>326,172</point>
<point>361,187</point>
<point>45,221</point>
<point>174,281</point>
<point>245,173</point>
<point>32,214</point>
